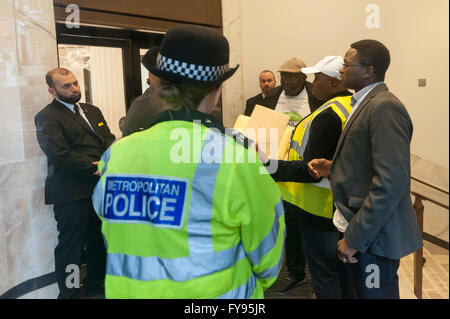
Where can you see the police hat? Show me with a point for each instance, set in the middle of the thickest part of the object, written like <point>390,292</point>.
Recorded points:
<point>193,54</point>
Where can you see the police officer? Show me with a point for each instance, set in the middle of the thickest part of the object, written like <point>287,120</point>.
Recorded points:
<point>186,211</point>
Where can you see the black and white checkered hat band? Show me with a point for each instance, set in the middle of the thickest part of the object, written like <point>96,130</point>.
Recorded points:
<point>197,72</point>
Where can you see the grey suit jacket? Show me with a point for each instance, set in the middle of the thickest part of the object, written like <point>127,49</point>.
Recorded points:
<point>370,177</point>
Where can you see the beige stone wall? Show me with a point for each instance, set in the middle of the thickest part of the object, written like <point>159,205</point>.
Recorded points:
<point>415,31</point>
<point>265,33</point>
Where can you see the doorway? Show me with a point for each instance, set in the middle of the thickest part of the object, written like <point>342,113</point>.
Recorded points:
<point>107,64</point>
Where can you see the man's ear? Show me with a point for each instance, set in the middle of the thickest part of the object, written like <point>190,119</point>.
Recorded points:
<point>370,72</point>
<point>52,92</point>
<point>334,82</point>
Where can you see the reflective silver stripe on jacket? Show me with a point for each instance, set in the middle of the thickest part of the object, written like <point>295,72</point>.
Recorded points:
<point>97,196</point>
<point>267,244</point>
<point>244,291</point>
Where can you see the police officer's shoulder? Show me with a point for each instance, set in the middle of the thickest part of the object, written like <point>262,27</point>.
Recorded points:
<point>240,138</point>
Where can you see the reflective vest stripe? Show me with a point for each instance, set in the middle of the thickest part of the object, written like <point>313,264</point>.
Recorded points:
<point>201,202</point>
<point>97,196</point>
<point>342,108</point>
<point>301,149</point>
<point>175,269</point>
<point>295,146</point>
<point>244,291</point>
<point>268,243</point>
<point>190,267</point>
<point>272,271</point>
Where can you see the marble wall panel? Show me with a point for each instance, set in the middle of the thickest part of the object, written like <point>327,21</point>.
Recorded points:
<point>233,102</point>
<point>27,224</point>
<point>3,251</point>
<point>28,232</point>
<point>7,26</point>
<point>19,247</point>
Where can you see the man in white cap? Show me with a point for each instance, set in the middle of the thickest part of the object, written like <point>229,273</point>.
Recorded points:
<point>316,136</point>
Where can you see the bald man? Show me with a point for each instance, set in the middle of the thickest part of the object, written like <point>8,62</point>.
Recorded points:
<point>266,82</point>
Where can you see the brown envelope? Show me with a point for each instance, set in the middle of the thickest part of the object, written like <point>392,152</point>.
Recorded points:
<point>269,129</point>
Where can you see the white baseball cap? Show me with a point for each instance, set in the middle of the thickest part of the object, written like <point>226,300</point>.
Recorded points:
<point>330,65</point>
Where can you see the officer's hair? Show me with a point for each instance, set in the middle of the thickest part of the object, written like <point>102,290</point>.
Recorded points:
<point>49,76</point>
<point>179,95</point>
<point>374,53</point>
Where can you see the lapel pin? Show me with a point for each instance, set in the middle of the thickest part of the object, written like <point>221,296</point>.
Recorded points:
<point>100,124</point>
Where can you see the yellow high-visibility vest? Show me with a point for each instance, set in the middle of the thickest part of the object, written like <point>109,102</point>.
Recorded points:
<point>314,198</point>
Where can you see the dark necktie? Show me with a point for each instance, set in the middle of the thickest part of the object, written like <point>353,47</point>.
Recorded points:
<point>77,111</point>
<point>78,114</point>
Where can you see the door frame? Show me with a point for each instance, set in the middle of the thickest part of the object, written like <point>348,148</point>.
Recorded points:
<point>128,40</point>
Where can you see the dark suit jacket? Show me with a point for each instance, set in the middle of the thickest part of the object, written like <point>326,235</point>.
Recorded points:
<point>370,177</point>
<point>272,97</point>
<point>71,147</point>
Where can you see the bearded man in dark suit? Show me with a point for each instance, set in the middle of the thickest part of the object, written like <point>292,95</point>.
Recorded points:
<point>73,136</point>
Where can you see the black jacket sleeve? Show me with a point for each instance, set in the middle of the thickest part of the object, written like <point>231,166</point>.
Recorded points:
<point>249,106</point>
<point>52,139</point>
<point>323,138</point>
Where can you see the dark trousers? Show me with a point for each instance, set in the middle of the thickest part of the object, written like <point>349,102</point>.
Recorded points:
<point>320,247</point>
<point>79,228</point>
<point>295,258</point>
<point>372,277</point>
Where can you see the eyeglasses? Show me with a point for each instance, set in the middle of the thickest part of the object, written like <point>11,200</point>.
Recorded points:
<point>354,64</point>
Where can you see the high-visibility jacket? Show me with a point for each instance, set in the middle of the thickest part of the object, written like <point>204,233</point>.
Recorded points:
<point>314,198</point>
<point>185,215</point>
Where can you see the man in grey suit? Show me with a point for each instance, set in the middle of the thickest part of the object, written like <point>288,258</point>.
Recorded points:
<point>370,178</point>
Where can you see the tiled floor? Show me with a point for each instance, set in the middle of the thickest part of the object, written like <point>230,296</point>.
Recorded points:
<point>435,278</point>
<point>435,272</point>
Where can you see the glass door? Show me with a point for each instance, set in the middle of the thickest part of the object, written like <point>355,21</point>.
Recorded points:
<point>99,71</point>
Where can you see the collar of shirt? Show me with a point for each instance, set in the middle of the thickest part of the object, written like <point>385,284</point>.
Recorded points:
<point>68,105</point>
<point>359,96</point>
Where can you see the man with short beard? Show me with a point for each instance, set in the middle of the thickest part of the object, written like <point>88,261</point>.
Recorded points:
<point>266,82</point>
<point>73,136</point>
